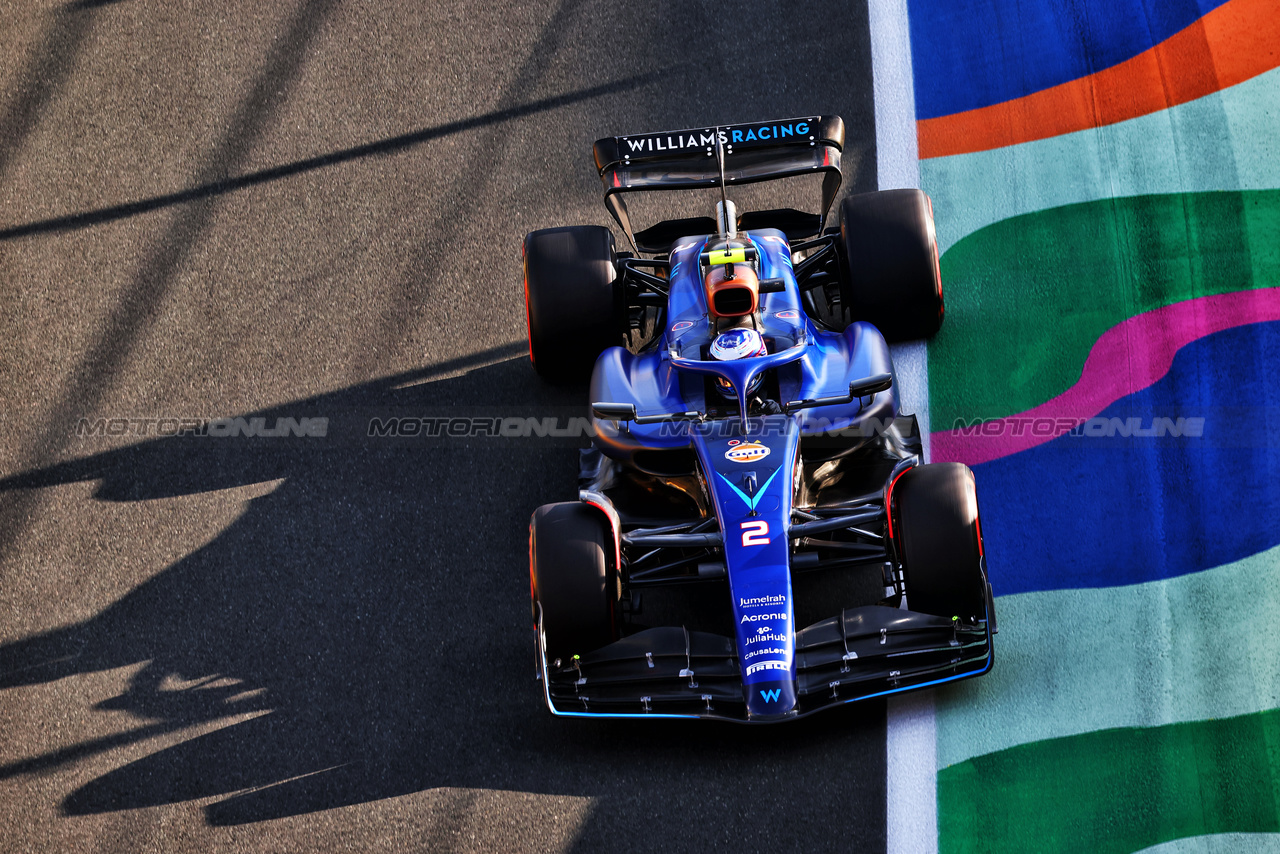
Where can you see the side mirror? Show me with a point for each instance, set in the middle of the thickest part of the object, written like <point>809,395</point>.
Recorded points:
<point>870,385</point>
<point>627,412</point>
<point>857,389</point>
<point>614,411</point>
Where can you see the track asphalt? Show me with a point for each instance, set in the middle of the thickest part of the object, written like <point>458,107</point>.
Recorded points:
<point>314,210</point>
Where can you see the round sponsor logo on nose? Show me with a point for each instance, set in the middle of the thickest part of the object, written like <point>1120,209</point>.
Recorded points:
<point>747,452</point>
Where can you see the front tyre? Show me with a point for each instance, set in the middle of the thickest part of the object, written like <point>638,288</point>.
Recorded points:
<point>937,534</point>
<point>889,256</point>
<point>572,576</point>
<point>573,300</point>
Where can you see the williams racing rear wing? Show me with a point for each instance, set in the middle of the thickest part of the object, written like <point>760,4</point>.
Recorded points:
<point>686,160</point>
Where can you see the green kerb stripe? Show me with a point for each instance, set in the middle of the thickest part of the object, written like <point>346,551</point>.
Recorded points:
<point>1116,790</point>
<point>1028,297</point>
<point>1223,141</point>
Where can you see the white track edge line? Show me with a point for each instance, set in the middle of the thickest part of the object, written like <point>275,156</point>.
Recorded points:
<point>911,807</point>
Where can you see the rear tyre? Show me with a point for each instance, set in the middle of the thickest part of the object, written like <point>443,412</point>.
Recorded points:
<point>937,533</point>
<point>572,577</point>
<point>573,300</point>
<point>890,263</point>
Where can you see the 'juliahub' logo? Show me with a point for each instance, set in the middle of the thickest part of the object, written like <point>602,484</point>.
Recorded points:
<point>748,452</point>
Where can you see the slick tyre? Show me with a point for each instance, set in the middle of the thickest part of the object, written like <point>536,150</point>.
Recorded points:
<point>889,260</point>
<point>573,579</point>
<point>939,540</point>
<point>573,300</point>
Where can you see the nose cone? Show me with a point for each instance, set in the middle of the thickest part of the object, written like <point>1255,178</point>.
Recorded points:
<point>770,699</point>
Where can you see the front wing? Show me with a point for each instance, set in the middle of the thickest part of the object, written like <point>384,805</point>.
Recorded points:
<point>669,672</point>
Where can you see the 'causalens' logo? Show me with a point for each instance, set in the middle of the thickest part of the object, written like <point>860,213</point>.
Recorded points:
<point>747,452</point>
<point>771,696</point>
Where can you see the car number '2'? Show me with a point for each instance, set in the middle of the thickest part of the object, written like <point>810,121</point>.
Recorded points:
<point>755,533</point>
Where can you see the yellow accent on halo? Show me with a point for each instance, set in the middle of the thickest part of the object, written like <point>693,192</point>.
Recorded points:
<point>731,256</point>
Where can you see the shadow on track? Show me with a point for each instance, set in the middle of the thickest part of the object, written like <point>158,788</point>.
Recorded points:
<point>377,148</point>
<point>45,75</point>
<point>375,607</point>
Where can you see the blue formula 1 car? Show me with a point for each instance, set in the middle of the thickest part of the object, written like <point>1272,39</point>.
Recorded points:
<point>755,537</point>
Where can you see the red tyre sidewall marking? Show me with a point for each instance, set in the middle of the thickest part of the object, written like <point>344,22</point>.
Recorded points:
<point>528,315</point>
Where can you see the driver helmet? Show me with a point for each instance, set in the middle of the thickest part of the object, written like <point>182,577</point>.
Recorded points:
<point>734,344</point>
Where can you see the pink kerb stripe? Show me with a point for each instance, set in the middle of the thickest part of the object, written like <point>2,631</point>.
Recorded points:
<point>1129,357</point>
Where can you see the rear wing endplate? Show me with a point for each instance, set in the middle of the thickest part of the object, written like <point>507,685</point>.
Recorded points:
<point>686,159</point>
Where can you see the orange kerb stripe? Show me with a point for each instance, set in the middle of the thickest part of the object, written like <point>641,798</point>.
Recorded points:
<point>1238,40</point>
